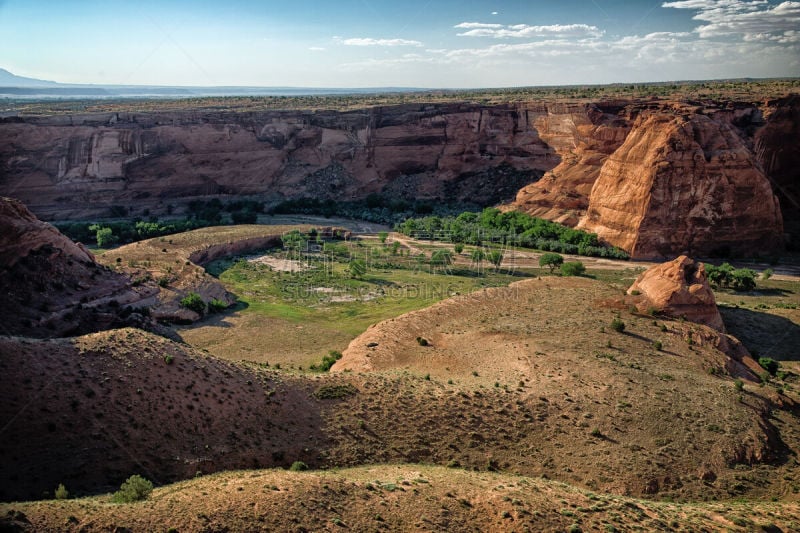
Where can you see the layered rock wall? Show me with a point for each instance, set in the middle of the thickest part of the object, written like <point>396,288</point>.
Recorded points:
<point>655,178</point>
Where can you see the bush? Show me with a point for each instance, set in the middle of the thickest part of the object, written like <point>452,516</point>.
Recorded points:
<point>383,235</point>
<point>739,384</point>
<point>422,341</point>
<point>768,364</point>
<point>61,492</point>
<point>658,345</point>
<point>767,274</point>
<point>298,466</point>
<point>217,306</point>
<point>458,248</point>
<point>618,325</point>
<point>328,361</point>
<point>575,268</point>
<point>194,302</point>
<point>134,489</point>
<point>551,260</point>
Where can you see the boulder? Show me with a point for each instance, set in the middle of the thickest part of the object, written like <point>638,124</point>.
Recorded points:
<point>679,289</point>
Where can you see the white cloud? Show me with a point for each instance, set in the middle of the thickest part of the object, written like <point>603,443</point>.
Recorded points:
<point>477,25</point>
<point>495,13</point>
<point>367,41</point>
<point>751,20</point>
<point>316,48</point>
<point>500,31</point>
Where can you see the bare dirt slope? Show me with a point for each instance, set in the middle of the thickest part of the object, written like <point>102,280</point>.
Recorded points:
<point>600,398</point>
<point>391,498</point>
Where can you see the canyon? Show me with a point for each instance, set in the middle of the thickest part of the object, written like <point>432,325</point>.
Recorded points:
<point>656,178</point>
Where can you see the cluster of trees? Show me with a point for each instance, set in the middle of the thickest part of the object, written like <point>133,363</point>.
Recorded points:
<point>510,228</point>
<point>374,208</point>
<point>200,214</point>
<point>725,276</point>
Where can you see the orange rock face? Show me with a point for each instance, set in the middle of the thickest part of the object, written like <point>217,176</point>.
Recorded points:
<point>679,289</point>
<point>684,183</point>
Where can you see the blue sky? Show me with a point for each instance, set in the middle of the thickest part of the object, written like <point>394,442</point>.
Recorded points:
<point>411,43</point>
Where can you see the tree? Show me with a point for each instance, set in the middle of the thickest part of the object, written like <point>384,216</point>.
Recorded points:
<point>477,256</point>
<point>357,268</point>
<point>743,279</point>
<point>495,257</point>
<point>458,248</point>
<point>551,260</point>
<point>382,236</point>
<point>574,268</point>
<point>134,489</point>
<point>105,236</point>
<point>442,258</point>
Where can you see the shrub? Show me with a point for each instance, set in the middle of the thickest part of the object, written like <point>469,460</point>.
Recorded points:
<point>61,492</point>
<point>767,274</point>
<point>298,466</point>
<point>768,364</point>
<point>217,306</point>
<point>134,489</point>
<point>551,260</point>
<point>739,384</point>
<point>382,235</point>
<point>658,346</point>
<point>618,325</point>
<point>422,341</point>
<point>194,302</point>
<point>357,268</point>
<point>330,392</point>
<point>328,361</point>
<point>458,248</point>
<point>169,358</point>
<point>496,258</point>
<point>575,268</point>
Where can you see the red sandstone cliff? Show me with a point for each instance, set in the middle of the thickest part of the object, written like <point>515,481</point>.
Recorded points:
<point>656,178</point>
<point>684,182</point>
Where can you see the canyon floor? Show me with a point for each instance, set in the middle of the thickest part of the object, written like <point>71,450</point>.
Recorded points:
<point>521,410</point>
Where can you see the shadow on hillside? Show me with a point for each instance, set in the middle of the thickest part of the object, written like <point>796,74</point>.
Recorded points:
<point>764,334</point>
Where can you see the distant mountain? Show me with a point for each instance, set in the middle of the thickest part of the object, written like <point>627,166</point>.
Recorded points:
<point>14,86</point>
<point>8,79</point>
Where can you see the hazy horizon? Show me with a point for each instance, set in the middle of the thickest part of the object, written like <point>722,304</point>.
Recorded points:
<point>413,44</point>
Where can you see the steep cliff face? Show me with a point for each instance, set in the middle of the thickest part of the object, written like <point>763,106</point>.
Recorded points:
<point>777,148</point>
<point>684,182</point>
<point>68,167</point>
<point>656,178</point>
<point>583,137</point>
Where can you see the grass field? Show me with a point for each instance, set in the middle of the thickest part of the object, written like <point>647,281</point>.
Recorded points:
<point>293,318</point>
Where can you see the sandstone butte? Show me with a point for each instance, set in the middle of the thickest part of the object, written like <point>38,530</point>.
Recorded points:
<point>657,178</point>
<point>679,289</point>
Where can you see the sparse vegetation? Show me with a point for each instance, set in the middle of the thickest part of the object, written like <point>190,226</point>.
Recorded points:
<point>617,325</point>
<point>573,268</point>
<point>194,302</point>
<point>298,466</point>
<point>134,489</point>
<point>61,492</point>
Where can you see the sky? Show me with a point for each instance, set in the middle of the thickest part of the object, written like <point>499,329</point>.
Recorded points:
<point>387,43</point>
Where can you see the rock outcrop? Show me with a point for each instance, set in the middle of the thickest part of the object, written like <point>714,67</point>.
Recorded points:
<point>684,182</point>
<point>53,287</point>
<point>679,289</point>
